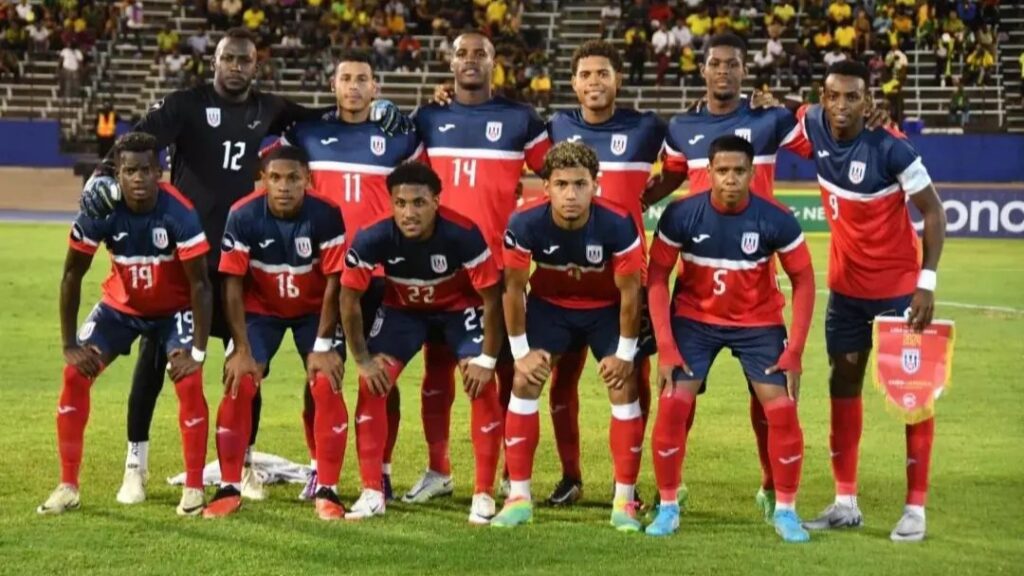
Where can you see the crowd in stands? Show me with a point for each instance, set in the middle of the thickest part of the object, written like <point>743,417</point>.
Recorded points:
<point>805,36</point>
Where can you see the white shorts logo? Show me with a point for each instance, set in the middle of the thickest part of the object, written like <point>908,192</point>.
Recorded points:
<point>213,117</point>
<point>493,131</point>
<point>85,332</point>
<point>857,170</point>
<point>911,360</point>
<point>438,263</point>
<point>595,253</point>
<point>303,247</point>
<point>378,145</point>
<point>160,239</point>
<point>378,323</point>
<point>619,142</point>
<point>744,133</point>
<point>749,242</point>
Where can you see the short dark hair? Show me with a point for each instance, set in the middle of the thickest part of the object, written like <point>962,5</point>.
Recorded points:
<point>570,155</point>
<point>731,143</point>
<point>597,48</point>
<point>416,173</point>
<point>354,55</point>
<point>135,142</point>
<point>239,33</point>
<point>726,39</point>
<point>850,68</point>
<point>292,153</point>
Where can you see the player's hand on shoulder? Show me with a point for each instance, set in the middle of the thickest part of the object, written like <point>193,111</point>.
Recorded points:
<point>389,118</point>
<point>535,366</point>
<point>180,364</point>
<point>327,363</point>
<point>444,94</point>
<point>922,308</point>
<point>238,365</point>
<point>763,99</point>
<point>475,377</point>
<point>100,196</point>
<point>86,359</point>
<point>878,117</point>
<point>614,371</point>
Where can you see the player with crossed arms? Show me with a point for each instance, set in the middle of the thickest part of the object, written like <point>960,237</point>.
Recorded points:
<point>726,296</point>
<point>440,277</point>
<point>282,256</point>
<point>158,287</point>
<point>586,286</point>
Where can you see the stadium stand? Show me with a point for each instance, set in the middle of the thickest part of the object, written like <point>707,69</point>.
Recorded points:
<point>125,65</point>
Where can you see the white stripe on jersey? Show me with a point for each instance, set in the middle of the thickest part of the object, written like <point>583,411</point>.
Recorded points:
<point>625,166</point>
<point>568,267</point>
<point>540,138</point>
<point>418,282</point>
<point>130,260</point>
<point>793,134</point>
<point>915,178</point>
<point>192,241</point>
<point>416,153</point>
<point>477,153</point>
<point>793,245</point>
<point>671,151</point>
<point>857,196</point>
<point>704,162</point>
<point>280,268</point>
<point>723,263</point>
<point>336,241</point>
<point>478,260</point>
<point>668,241</point>
<point>330,166</point>
<point>630,248</point>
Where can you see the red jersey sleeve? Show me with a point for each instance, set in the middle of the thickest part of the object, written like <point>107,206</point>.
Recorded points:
<point>332,244</point>
<point>797,141</point>
<point>191,240</point>
<point>672,155</point>
<point>627,252</point>
<point>479,261</point>
<point>85,235</point>
<point>516,253</point>
<point>359,263</point>
<point>234,248</point>
<point>537,142</point>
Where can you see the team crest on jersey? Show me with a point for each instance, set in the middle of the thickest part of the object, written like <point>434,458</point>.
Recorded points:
<point>303,247</point>
<point>744,133</point>
<point>378,145</point>
<point>619,142</point>
<point>213,117</point>
<point>493,131</point>
<point>595,253</point>
<point>160,239</point>
<point>911,360</point>
<point>857,170</point>
<point>438,263</point>
<point>749,242</point>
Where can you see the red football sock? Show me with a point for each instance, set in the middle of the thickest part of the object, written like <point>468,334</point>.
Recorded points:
<point>643,386</point>
<point>565,409</point>
<point>308,416</point>
<point>505,372</point>
<point>330,425</point>
<point>919,457</point>
<point>234,425</point>
<point>72,416</point>
<point>844,441</point>
<point>785,447</point>
<point>522,434</point>
<point>626,441</point>
<point>436,410</point>
<point>668,442</point>
<point>486,424</point>
<point>759,422</point>
<point>394,420</point>
<point>194,423</point>
<point>372,431</point>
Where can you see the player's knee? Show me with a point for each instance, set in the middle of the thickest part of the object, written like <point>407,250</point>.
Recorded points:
<point>521,388</point>
<point>75,380</point>
<point>846,377</point>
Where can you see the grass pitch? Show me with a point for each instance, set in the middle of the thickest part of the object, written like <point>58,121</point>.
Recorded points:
<point>974,512</point>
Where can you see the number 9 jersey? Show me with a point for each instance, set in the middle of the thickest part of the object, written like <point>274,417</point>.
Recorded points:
<point>285,262</point>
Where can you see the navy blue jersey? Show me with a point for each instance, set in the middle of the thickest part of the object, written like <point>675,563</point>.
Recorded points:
<point>442,273</point>
<point>146,250</point>
<point>285,262</point>
<point>575,268</point>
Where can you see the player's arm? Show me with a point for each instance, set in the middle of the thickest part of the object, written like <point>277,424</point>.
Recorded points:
<point>793,134</point>
<point>324,358</point>
<point>354,282</point>
<point>535,365</point>
<point>674,170</point>
<point>796,261</point>
<point>86,360</point>
<point>480,370</point>
<point>922,306</point>
<point>183,363</point>
<point>615,369</point>
<point>234,265</point>
<point>663,256</point>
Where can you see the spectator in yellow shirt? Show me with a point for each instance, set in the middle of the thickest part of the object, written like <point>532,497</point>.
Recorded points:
<point>979,64</point>
<point>784,12</point>
<point>839,11</point>
<point>540,88</point>
<point>821,42</point>
<point>688,66</point>
<point>496,11</point>
<point>254,17</point>
<point>700,25</point>
<point>846,37</point>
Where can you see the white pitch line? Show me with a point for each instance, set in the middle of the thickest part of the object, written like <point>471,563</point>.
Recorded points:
<point>984,307</point>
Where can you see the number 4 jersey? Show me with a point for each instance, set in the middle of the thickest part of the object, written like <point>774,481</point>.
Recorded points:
<point>146,251</point>
<point>441,273</point>
<point>285,262</point>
